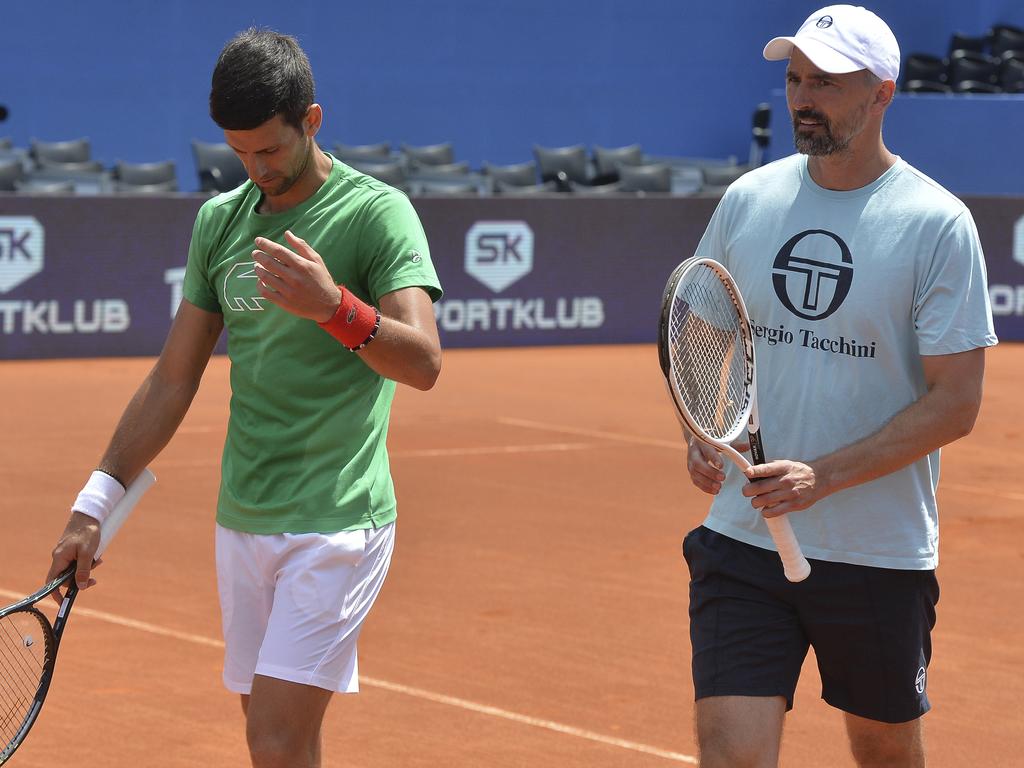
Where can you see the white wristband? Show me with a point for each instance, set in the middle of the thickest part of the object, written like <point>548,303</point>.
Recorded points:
<point>99,496</point>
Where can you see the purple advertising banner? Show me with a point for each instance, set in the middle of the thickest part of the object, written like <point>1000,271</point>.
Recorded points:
<point>101,276</point>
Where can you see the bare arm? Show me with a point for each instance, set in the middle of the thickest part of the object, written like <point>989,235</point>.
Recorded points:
<point>406,348</point>
<point>946,412</point>
<point>147,424</point>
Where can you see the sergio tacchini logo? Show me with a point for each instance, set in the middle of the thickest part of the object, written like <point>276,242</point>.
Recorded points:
<point>812,273</point>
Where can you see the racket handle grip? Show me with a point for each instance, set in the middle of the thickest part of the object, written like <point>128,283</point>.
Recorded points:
<point>112,523</point>
<point>793,561</point>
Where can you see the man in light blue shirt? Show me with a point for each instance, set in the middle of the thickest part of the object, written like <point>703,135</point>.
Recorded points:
<point>866,287</point>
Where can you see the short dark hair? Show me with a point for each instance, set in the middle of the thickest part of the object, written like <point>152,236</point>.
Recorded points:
<point>259,74</point>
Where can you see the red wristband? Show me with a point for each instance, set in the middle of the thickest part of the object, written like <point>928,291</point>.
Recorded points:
<point>355,323</point>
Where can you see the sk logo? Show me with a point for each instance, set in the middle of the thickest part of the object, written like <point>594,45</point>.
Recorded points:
<point>812,274</point>
<point>241,293</point>
<point>498,253</point>
<point>1018,242</point>
<point>21,250</point>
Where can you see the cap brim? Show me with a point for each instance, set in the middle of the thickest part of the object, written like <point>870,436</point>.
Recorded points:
<point>823,57</point>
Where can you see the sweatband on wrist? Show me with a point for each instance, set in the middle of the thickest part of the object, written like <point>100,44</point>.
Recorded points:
<point>99,496</point>
<point>355,323</point>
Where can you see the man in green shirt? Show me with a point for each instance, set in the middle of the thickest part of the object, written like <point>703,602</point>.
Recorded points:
<point>305,258</point>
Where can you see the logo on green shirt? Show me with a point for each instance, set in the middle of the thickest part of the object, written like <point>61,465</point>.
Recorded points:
<point>241,291</point>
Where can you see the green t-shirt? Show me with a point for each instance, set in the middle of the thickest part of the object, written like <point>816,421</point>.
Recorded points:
<point>306,444</point>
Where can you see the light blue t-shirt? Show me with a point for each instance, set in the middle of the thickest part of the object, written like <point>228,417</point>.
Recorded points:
<point>846,291</point>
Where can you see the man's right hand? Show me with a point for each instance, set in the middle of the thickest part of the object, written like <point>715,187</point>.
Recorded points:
<point>78,543</point>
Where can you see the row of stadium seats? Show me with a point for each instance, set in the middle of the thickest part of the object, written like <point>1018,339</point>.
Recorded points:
<point>433,170</point>
<point>990,63</point>
<point>63,168</point>
<point>67,167</point>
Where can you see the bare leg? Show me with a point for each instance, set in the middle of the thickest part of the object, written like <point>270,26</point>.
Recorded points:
<point>740,731</point>
<point>893,745</point>
<point>283,722</point>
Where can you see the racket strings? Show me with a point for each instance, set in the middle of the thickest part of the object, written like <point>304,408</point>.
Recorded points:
<point>707,354</point>
<point>23,653</point>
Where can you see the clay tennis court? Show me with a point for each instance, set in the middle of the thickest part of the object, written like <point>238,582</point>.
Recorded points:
<point>535,614</point>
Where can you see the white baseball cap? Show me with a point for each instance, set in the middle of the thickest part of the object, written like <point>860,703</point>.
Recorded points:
<point>840,39</point>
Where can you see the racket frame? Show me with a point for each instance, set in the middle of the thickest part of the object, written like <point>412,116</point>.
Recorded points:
<point>794,563</point>
<point>51,637</point>
<point>53,632</point>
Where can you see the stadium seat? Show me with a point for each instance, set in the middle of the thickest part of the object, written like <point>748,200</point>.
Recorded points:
<point>975,86</point>
<point>717,178</point>
<point>432,154</point>
<point>1005,38</point>
<point>926,86</point>
<point>350,152</point>
<point>390,173</point>
<point>570,161</point>
<point>447,171</point>
<point>77,166</point>
<point>11,172</point>
<point>961,42</point>
<point>515,175</point>
<point>218,167</point>
<point>157,188</point>
<point>1011,72</point>
<point>88,177</point>
<point>531,190</point>
<point>73,151</point>
<point>607,161</point>
<point>761,134</point>
<point>924,66</point>
<point>655,177</point>
<point>597,190</point>
<point>970,65</point>
<point>146,174</point>
<point>445,189</point>
<point>44,187</point>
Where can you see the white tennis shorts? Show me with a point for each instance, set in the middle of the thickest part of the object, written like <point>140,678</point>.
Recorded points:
<point>292,605</point>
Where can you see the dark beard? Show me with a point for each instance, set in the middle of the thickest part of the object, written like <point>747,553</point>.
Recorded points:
<point>289,182</point>
<point>814,144</point>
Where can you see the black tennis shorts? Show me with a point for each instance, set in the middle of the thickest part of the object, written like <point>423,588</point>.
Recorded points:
<point>750,628</point>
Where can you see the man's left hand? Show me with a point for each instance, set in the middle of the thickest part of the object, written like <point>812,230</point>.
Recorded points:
<point>779,487</point>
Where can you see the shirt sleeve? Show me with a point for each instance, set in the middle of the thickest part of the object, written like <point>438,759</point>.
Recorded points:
<point>196,287</point>
<point>396,246</point>
<point>952,311</point>
<point>712,244</point>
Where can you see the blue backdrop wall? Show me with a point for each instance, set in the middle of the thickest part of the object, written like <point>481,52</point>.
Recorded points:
<point>493,76</point>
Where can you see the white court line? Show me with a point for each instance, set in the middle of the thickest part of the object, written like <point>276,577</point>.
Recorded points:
<point>418,693</point>
<point>619,436</point>
<point>527,424</point>
<point>534,721</point>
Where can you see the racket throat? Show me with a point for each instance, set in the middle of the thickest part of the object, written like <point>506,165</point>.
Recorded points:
<point>756,448</point>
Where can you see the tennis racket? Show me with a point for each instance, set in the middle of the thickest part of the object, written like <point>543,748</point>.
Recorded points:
<point>706,352</point>
<point>28,642</point>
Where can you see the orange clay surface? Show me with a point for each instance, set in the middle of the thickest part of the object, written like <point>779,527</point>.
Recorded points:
<point>535,614</point>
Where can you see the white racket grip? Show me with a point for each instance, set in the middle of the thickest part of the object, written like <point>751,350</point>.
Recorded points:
<point>112,524</point>
<point>793,561</point>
